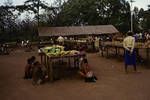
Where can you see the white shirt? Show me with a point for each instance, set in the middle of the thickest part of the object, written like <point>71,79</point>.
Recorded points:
<point>128,43</point>
<point>97,42</point>
<point>60,39</point>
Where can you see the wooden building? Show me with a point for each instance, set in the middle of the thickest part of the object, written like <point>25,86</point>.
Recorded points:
<point>77,30</point>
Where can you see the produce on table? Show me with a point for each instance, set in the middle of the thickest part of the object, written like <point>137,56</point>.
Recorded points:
<point>56,51</point>
<point>73,52</point>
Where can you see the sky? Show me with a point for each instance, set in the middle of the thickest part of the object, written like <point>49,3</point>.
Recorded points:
<point>138,3</point>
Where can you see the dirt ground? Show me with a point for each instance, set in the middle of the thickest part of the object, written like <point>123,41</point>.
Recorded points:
<point>112,84</point>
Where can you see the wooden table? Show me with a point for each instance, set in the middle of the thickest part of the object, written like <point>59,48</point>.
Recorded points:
<point>119,45</point>
<point>48,62</point>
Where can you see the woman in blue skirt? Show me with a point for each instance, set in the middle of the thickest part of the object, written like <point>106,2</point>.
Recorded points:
<point>130,55</point>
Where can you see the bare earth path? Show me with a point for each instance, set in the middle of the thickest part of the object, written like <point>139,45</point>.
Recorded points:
<point>112,84</point>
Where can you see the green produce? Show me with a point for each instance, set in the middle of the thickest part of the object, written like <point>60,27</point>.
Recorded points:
<point>56,51</point>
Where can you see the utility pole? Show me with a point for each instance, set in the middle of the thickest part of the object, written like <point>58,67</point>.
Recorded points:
<point>38,12</point>
<point>131,1</point>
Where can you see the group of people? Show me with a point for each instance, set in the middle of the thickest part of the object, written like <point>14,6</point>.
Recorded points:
<point>129,57</point>
<point>27,45</point>
<point>4,49</point>
<point>38,73</point>
<point>142,36</point>
<point>24,43</point>
<point>35,71</point>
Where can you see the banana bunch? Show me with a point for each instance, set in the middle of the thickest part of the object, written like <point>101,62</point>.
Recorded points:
<point>64,53</point>
<point>74,52</point>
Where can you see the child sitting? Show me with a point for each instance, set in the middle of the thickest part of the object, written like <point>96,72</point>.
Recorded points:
<point>86,72</point>
<point>39,73</point>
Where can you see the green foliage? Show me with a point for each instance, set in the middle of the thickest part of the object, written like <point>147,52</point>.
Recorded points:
<point>12,29</point>
<point>69,13</point>
<point>144,19</point>
<point>94,12</point>
<point>34,5</point>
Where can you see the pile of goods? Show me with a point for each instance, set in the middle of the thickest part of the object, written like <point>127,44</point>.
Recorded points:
<point>56,51</point>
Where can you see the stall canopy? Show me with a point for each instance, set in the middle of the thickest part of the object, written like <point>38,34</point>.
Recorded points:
<point>77,30</point>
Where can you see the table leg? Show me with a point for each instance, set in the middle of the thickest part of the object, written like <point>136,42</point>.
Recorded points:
<point>147,55</point>
<point>50,70</point>
<point>107,51</point>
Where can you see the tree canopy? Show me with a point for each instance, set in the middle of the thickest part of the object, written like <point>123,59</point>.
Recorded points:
<point>68,13</point>
<point>94,12</point>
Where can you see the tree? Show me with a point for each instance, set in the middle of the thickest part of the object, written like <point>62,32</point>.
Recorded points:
<point>94,12</point>
<point>35,6</point>
<point>144,17</point>
<point>136,19</point>
<point>7,21</point>
<point>149,7</point>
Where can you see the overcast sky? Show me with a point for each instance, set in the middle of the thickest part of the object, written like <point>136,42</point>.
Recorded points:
<point>138,3</point>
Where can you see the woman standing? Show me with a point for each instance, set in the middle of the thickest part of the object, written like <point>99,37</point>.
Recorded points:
<point>130,55</point>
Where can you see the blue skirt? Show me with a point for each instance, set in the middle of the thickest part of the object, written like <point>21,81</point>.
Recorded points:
<point>130,59</point>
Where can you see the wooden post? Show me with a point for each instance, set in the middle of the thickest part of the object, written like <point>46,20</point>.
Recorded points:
<point>41,58</point>
<point>45,59</point>
<point>103,49</point>
<point>147,55</point>
<point>107,52</point>
<point>69,62</point>
<point>74,60</point>
<point>116,49</point>
<point>50,69</point>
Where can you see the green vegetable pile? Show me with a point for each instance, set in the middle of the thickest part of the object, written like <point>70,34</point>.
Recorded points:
<point>56,51</point>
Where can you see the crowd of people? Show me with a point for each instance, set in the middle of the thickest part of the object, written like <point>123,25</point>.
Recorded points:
<point>26,44</point>
<point>143,37</point>
<point>37,72</point>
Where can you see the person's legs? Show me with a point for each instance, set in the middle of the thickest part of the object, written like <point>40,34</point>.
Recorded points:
<point>134,67</point>
<point>82,74</point>
<point>90,79</point>
<point>95,77</point>
<point>126,68</point>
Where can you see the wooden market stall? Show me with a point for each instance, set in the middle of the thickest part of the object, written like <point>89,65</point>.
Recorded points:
<point>57,60</point>
<point>74,34</point>
<point>78,34</point>
<point>71,62</point>
<point>117,47</point>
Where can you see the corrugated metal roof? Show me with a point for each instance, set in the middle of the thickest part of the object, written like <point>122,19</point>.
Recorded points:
<point>77,30</point>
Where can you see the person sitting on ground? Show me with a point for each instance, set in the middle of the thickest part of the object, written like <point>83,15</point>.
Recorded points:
<point>39,74</point>
<point>28,68</point>
<point>86,72</point>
